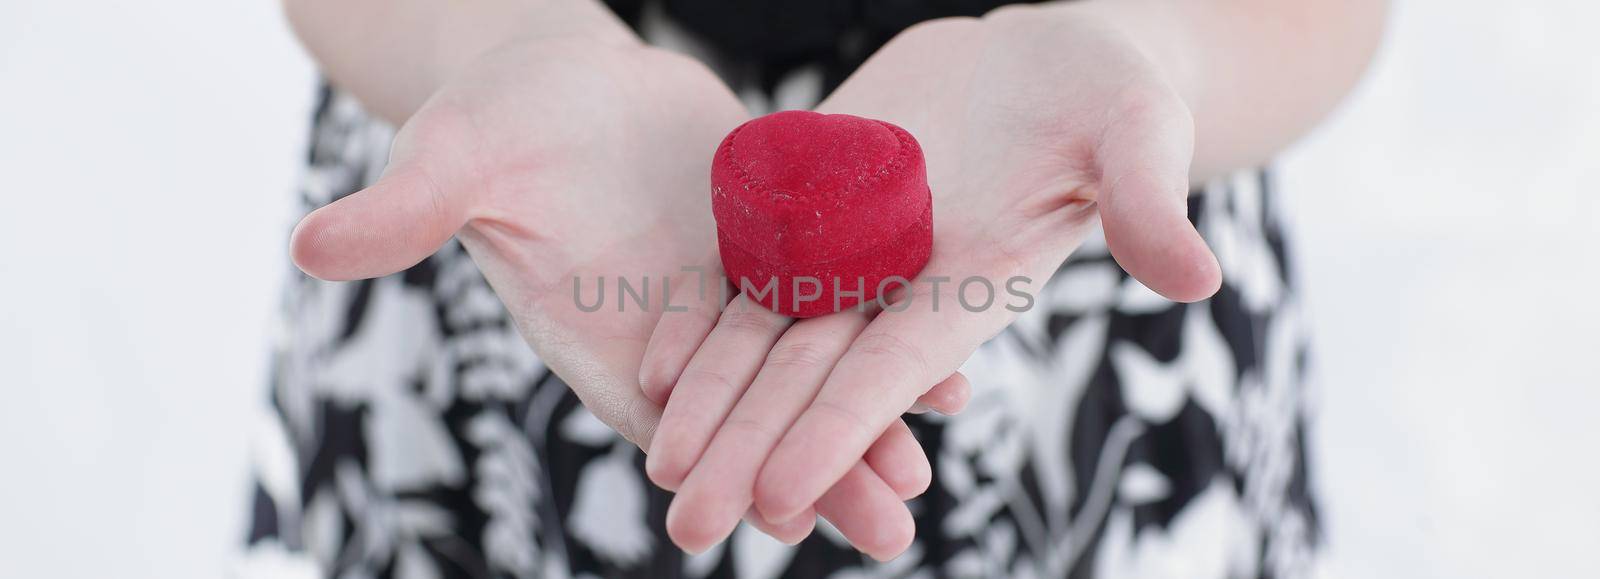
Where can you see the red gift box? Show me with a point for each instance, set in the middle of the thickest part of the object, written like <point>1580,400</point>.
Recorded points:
<point>826,207</point>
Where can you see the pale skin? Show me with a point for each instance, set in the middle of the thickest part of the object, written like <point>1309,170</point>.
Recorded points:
<point>552,144</point>
<point>566,151</point>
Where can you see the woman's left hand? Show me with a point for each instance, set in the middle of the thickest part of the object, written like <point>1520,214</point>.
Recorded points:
<point>1037,123</point>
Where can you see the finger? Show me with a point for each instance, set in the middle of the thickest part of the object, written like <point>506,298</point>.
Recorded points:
<point>694,540</point>
<point>718,490</point>
<point>896,457</point>
<point>701,516</point>
<point>900,461</point>
<point>679,333</point>
<point>868,514</point>
<point>896,359</point>
<point>715,379</point>
<point>420,201</point>
<point>788,532</point>
<point>949,397</point>
<point>1144,164</point>
<point>392,225</point>
<point>862,507</point>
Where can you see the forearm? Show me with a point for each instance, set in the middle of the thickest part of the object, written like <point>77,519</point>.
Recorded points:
<point>393,54</point>
<point>1256,74</point>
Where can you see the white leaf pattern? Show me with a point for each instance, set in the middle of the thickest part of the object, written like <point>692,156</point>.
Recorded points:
<point>410,449</point>
<point>1207,362</point>
<point>414,564</point>
<point>271,560</point>
<point>758,556</point>
<point>608,511</point>
<point>583,427</point>
<point>1136,298</point>
<point>1142,484</point>
<point>1154,390</point>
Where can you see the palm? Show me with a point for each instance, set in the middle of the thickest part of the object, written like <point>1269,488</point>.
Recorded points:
<point>1016,151</point>
<point>1035,129</point>
<point>550,160</point>
<point>593,168</point>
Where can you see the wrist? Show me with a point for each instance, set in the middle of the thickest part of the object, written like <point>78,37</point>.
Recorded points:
<point>1160,31</point>
<point>394,54</point>
<point>459,42</point>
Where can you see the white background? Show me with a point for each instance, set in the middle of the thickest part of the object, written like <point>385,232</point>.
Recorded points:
<point>1449,226</point>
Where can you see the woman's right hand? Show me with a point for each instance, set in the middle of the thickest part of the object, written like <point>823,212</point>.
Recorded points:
<point>556,160</point>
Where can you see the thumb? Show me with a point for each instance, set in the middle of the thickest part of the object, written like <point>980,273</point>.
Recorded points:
<point>1144,175</point>
<point>392,225</point>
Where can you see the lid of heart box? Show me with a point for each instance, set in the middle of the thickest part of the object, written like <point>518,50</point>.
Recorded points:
<point>799,187</point>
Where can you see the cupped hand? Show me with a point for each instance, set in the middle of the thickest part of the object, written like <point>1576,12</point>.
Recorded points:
<point>732,373</point>
<point>1037,123</point>
<point>555,161</point>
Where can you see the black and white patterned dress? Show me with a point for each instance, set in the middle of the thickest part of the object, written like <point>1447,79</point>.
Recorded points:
<point>1112,433</point>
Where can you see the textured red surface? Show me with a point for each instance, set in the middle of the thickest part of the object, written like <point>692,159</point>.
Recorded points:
<point>836,198</point>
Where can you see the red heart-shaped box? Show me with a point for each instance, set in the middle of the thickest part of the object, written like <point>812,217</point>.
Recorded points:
<point>833,200</point>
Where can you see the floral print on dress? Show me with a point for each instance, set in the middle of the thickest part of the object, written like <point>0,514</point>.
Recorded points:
<point>411,433</point>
